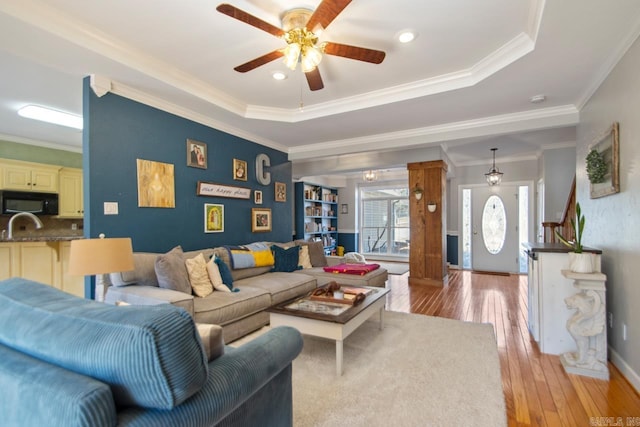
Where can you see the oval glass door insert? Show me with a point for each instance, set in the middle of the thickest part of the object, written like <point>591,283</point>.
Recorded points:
<point>494,224</point>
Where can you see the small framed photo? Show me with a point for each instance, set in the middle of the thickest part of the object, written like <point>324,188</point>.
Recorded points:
<point>281,192</point>
<point>344,208</point>
<point>196,154</point>
<point>239,170</point>
<point>213,218</point>
<point>257,197</point>
<point>260,220</point>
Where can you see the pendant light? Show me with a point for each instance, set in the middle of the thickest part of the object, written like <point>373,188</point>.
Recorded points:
<point>494,176</point>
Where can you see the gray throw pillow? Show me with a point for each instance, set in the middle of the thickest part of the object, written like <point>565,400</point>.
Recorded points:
<point>316,252</point>
<point>172,272</point>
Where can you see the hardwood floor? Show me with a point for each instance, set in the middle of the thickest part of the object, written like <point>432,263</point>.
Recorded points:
<point>537,390</point>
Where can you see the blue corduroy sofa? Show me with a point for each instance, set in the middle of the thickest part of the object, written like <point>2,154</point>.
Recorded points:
<point>67,361</point>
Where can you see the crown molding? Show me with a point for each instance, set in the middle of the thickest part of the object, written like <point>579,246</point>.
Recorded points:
<point>496,125</point>
<point>47,18</point>
<point>38,143</point>
<point>610,64</point>
<point>161,104</point>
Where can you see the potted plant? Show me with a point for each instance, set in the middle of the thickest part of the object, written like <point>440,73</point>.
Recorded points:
<point>579,261</point>
<point>596,167</point>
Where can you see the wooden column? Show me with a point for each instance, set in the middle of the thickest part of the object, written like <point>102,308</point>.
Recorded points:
<point>428,245</point>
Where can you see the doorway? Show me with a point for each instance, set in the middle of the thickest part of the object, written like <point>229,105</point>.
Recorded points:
<point>494,223</point>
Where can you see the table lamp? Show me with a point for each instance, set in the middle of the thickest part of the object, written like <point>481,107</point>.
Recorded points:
<point>100,257</point>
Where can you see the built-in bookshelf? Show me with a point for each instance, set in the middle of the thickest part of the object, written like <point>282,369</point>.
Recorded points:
<point>317,214</point>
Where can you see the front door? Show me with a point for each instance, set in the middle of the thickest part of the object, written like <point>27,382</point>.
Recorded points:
<point>494,228</point>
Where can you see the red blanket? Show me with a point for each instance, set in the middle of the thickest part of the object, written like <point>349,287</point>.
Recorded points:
<point>358,269</point>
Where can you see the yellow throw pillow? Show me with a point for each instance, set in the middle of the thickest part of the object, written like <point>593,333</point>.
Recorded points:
<point>303,257</point>
<point>198,276</point>
<point>263,258</point>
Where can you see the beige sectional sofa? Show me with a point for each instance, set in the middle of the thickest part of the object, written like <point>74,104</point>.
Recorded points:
<point>239,313</point>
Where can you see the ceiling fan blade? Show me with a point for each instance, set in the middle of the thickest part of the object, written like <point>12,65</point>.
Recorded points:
<point>255,63</point>
<point>354,52</point>
<point>326,13</point>
<point>314,79</point>
<point>243,16</point>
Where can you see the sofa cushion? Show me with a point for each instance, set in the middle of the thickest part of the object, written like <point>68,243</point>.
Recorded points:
<point>281,286</point>
<point>172,272</point>
<point>150,356</point>
<point>222,308</point>
<point>144,272</point>
<point>36,393</point>
<point>225,273</point>
<point>303,260</point>
<point>286,260</point>
<point>215,277</point>
<point>316,253</point>
<point>198,275</point>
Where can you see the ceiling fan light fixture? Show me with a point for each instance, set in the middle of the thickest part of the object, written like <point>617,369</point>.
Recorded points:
<point>310,58</point>
<point>291,55</point>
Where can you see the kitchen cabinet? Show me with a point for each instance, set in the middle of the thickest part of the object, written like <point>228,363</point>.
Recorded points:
<point>317,214</point>
<point>70,203</point>
<point>9,264</point>
<point>25,176</point>
<point>547,289</point>
<point>42,261</point>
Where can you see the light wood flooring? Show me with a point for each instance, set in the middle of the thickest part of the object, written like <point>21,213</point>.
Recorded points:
<point>537,390</point>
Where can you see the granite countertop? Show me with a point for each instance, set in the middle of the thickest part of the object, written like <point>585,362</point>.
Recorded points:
<point>18,239</point>
<point>554,247</point>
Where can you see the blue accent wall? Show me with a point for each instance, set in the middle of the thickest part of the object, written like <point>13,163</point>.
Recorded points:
<point>452,249</point>
<point>117,131</point>
<point>349,241</point>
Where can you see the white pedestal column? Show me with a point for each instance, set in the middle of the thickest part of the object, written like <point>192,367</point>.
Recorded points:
<point>587,326</point>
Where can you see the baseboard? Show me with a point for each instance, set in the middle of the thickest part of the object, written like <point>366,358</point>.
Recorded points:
<point>626,370</point>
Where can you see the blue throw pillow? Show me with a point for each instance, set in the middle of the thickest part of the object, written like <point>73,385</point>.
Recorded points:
<point>225,273</point>
<point>286,260</point>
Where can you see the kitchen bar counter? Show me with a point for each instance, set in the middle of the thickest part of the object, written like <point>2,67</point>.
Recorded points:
<point>20,239</point>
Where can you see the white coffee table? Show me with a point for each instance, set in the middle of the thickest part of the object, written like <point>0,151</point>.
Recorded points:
<point>331,326</point>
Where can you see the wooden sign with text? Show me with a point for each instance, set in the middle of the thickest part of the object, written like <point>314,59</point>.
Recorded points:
<point>216,190</point>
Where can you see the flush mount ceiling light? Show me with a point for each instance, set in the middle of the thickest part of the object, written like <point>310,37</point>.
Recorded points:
<point>494,176</point>
<point>51,116</point>
<point>406,36</point>
<point>279,75</point>
<point>537,99</point>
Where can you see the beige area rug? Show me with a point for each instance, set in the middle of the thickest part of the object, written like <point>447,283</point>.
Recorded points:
<point>418,371</point>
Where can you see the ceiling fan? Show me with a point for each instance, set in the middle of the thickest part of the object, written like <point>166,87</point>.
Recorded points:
<point>299,32</point>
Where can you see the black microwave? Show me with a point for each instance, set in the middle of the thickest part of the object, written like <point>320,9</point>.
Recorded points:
<point>25,201</point>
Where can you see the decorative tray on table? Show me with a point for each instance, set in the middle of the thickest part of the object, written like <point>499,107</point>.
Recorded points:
<point>351,295</point>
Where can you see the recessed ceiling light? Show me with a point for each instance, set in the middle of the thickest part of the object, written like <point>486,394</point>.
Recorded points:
<point>406,36</point>
<point>279,75</point>
<point>51,116</point>
<point>537,99</point>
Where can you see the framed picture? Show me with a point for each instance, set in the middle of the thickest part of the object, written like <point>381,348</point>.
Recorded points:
<point>213,218</point>
<point>196,154</point>
<point>260,220</point>
<point>608,149</point>
<point>281,192</point>
<point>239,170</point>
<point>156,188</point>
<point>344,208</point>
<point>257,197</point>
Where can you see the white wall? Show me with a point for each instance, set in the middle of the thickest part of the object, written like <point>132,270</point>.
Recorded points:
<point>558,176</point>
<point>613,222</point>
